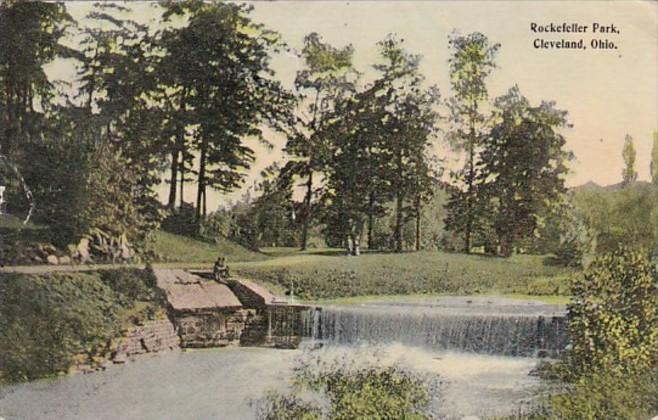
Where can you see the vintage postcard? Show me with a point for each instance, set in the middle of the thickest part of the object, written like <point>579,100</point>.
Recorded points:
<point>271,210</point>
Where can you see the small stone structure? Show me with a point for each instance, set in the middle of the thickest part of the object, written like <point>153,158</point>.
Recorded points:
<point>152,337</point>
<point>208,313</point>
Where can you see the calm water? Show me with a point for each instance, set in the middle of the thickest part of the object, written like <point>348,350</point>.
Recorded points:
<point>218,384</point>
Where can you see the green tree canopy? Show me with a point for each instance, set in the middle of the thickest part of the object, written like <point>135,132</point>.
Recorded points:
<point>522,167</point>
<point>472,60</point>
<point>218,64</point>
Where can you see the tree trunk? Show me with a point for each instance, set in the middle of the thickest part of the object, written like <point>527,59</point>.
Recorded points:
<point>204,202</point>
<point>171,203</point>
<point>7,130</point>
<point>398,222</point>
<point>201,182</point>
<point>470,199</point>
<point>182,181</point>
<point>418,210</point>
<point>357,237</point>
<point>371,204</point>
<point>505,246</point>
<point>399,198</point>
<point>370,221</point>
<point>357,246</point>
<point>307,208</point>
<point>470,178</point>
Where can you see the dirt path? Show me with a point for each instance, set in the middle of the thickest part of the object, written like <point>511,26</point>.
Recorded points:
<point>40,269</point>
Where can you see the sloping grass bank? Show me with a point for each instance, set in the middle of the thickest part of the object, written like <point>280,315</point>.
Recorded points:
<point>52,322</point>
<point>328,277</point>
<point>176,248</point>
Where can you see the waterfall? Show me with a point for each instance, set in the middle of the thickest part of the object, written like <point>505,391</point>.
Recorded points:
<point>511,333</point>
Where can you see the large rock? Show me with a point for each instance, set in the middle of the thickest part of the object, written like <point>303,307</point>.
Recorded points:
<point>65,260</point>
<point>52,260</point>
<point>82,251</point>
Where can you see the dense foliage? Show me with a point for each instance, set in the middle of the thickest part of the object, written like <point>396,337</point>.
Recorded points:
<point>607,218</point>
<point>614,316</point>
<point>611,367</point>
<point>93,153</point>
<point>342,390</point>
<point>522,167</point>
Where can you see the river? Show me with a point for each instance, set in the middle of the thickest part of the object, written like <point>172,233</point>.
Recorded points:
<point>471,345</point>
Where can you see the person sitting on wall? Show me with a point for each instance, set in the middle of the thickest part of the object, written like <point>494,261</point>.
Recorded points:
<point>220,269</point>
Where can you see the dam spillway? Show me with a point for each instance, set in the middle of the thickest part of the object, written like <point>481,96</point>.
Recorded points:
<point>480,325</point>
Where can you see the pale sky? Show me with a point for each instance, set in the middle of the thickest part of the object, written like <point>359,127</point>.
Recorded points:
<point>608,93</point>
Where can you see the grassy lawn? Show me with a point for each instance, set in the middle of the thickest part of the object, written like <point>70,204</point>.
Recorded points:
<point>319,275</point>
<point>172,248</point>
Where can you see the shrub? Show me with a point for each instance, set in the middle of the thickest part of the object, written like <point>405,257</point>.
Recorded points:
<point>286,407</point>
<point>181,221</point>
<point>46,320</point>
<point>607,396</point>
<point>341,389</point>
<point>614,316</point>
<point>612,365</point>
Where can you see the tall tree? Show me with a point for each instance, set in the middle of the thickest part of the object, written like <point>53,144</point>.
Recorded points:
<point>229,92</point>
<point>523,164</point>
<point>471,62</point>
<point>272,212</point>
<point>174,87</point>
<point>629,174</point>
<point>381,134</point>
<point>327,76</point>
<point>410,121</point>
<point>116,84</point>
<point>348,166</point>
<point>30,35</point>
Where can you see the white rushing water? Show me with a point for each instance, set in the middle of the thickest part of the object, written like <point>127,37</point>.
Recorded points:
<point>483,325</point>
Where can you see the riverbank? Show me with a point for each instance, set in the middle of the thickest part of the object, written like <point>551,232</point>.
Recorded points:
<point>51,323</point>
<point>57,317</point>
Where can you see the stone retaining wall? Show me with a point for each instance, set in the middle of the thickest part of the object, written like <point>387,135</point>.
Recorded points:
<point>216,328</point>
<point>152,337</point>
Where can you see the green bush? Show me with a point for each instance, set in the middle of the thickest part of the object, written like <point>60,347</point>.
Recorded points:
<point>618,216</point>
<point>276,406</point>
<point>611,370</point>
<point>607,396</point>
<point>343,390</point>
<point>614,316</point>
